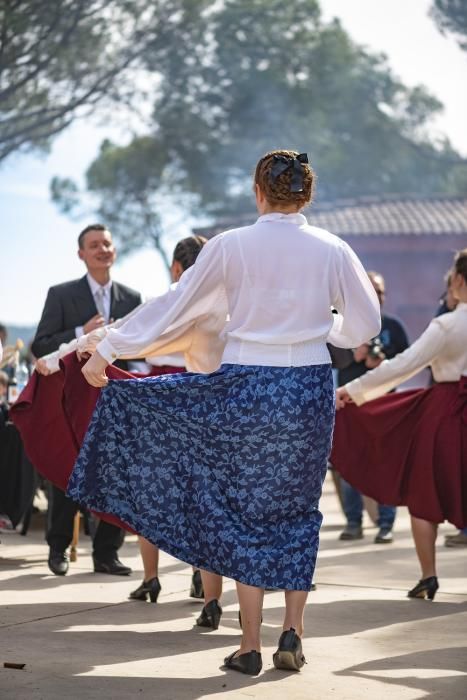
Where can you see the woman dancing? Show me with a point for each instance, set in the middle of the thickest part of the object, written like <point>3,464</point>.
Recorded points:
<point>415,441</point>
<point>185,253</point>
<point>224,470</point>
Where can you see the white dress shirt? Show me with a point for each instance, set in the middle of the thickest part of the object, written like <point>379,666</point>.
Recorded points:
<point>443,347</point>
<point>259,295</point>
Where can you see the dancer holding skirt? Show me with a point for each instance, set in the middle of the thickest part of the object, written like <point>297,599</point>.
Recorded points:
<point>224,469</point>
<point>415,441</point>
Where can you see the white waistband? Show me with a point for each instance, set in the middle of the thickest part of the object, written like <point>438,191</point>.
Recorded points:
<point>241,352</point>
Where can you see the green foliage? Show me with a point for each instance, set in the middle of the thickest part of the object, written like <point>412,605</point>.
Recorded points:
<point>451,16</point>
<point>242,77</point>
<point>276,76</point>
<point>59,60</point>
<point>55,58</point>
<point>129,185</point>
<point>65,193</point>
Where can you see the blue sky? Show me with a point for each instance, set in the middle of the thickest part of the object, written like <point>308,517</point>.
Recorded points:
<point>38,245</point>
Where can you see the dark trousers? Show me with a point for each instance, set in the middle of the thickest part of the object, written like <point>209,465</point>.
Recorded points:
<point>353,508</point>
<point>107,539</point>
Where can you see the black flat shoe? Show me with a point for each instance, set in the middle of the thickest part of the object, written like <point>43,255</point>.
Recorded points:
<point>58,562</point>
<point>289,654</point>
<point>150,588</point>
<point>210,615</point>
<point>196,588</point>
<point>425,588</point>
<point>249,663</point>
<point>111,566</point>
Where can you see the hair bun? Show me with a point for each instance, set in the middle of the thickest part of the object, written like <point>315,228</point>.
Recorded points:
<point>285,176</point>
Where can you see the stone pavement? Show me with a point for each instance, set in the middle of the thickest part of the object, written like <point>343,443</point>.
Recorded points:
<point>81,638</point>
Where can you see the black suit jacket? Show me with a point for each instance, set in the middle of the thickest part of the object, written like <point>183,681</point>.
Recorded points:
<point>71,304</point>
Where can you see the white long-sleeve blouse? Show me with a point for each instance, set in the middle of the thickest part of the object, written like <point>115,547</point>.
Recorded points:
<point>443,346</point>
<point>260,294</point>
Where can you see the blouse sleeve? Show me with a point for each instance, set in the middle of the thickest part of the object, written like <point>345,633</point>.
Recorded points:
<point>390,373</point>
<point>353,296</point>
<point>85,343</point>
<point>198,292</point>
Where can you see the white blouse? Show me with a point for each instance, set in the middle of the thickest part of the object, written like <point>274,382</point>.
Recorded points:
<point>443,346</point>
<point>260,295</point>
<point>87,344</point>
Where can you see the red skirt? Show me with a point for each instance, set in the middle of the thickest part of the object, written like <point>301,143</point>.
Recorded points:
<point>52,415</point>
<point>409,448</point>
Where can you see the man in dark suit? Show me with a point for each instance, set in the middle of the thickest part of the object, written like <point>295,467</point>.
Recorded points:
<point>71,309</point>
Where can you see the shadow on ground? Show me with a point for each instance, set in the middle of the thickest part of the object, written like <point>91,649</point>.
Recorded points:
<point>438,673</point>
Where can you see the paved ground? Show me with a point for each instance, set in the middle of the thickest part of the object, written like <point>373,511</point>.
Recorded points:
<point>80,638</point>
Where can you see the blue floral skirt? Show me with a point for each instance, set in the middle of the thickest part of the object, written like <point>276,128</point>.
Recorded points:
<point>223,471</point>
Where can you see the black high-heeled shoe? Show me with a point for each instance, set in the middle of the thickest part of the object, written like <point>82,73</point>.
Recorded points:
<point>250,663</point>
<point>150,588</point>
<point>425,588</point>
<point>210,615</point>
<point>289,655</point>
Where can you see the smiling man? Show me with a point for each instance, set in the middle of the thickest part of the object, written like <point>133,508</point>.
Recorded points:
<point>71,309</point>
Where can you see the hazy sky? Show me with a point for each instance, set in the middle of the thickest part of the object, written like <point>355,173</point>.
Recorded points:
<point>38,246</point>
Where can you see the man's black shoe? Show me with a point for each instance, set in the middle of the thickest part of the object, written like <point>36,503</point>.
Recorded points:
<point>111,566</point>
<point>58,562</point>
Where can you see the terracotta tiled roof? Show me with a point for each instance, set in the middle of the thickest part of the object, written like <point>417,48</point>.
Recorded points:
<point>396,216</point>
<point>373,216</point>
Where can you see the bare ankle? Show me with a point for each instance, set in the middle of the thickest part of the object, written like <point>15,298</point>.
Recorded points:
<point>150,576</point>
<point>428,573</point>
<point>245,648</point>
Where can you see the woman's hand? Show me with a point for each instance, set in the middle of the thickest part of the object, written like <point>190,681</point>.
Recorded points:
<point>94,371</point>
<point>41,367</point>
<point>342,397</point>
<point>88,343</point>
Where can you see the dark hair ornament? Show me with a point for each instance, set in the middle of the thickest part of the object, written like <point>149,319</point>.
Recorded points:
<point>282,163</point>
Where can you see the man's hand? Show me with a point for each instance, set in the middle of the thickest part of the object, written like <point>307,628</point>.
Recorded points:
<point>94,371</point>
<point>361,353</point>
<point>342,397</point>
<point>96,321</point>
<point>41,367</point>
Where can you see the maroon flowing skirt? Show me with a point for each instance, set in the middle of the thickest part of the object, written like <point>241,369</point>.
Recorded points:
<point>52,415</point>
<point>409,448</point>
